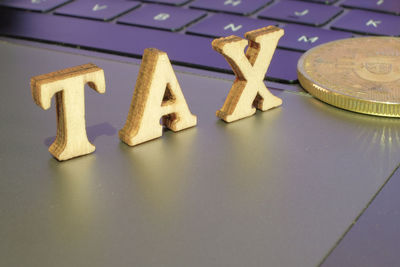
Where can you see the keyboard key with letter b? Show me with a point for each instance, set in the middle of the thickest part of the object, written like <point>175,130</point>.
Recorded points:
<point>162,17</point>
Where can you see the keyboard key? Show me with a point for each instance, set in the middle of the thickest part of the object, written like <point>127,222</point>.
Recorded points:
<point>243,7</point>
<point>301,12</point>
<point>168,2</point>
<point>302,38</point>
<point>390,6</point>
<point>162,17</point>
<point>365,22</point>
<point>328,2</point>
<point>35,5</point>
<point>218,25</point>
<point>100,9</point>
<point>283,66</point>
<point>109,37</point>
<point>187,50</point>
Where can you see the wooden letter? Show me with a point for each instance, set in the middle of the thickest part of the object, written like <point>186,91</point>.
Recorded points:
<point>248,91</point>
<point>157,95</point>
<point>68,87</point>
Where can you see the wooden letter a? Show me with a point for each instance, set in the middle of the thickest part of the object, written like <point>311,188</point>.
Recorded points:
<point>248,91</point>
<point>68,87</point>
<point>157,96</point>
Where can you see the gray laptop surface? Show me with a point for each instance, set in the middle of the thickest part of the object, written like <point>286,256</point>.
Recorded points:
<point>305,184</point>
<point>280,188</point>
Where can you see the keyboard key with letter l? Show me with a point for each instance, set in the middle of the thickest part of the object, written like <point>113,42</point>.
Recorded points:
<point>366,22</point>
<point>301,12</point>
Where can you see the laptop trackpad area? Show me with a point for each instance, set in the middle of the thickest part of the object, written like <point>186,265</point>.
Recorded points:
<point>279,188</point>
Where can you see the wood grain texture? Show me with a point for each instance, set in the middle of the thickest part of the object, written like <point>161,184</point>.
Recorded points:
<point>68,87</point>
<point>157,96</point>
<point>248,91</point>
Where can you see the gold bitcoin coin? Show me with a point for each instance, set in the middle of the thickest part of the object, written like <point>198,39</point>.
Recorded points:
<point>357,74</point>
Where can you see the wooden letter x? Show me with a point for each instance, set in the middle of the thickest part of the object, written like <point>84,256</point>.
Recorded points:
<point>68,87</point>
<point>157,95</point>
<point>248,91</point>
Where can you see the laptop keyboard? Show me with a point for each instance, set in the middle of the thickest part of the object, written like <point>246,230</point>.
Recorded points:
<point>184,29</point>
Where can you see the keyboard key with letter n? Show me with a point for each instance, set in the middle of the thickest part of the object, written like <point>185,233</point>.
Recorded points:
<point>219,25</point>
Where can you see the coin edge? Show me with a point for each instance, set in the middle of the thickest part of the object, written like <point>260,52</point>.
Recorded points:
<point>342,100</point>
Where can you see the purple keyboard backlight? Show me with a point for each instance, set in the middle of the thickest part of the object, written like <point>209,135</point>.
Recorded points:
<point>366,22</point>
<point>100,10</point>
<point>219,25</point>
<point>35,5</point>
<point>301,12</point>
<point>389,6</point>
<point>185,28</point>
<point>243,7</point>
<point>302,38</point>
<point>162,17</point>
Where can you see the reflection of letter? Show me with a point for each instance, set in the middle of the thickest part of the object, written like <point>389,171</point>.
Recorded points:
<point>248,90</point>
<point>157,95</point>
<point>68,86</point>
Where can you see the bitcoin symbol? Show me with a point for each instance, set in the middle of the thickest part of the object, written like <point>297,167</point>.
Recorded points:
<point>355,74</point>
